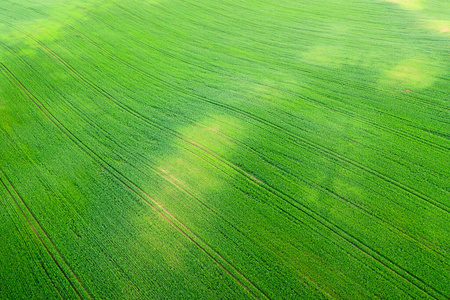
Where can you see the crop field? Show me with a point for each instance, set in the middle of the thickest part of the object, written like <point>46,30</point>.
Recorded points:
<point>232,149</point>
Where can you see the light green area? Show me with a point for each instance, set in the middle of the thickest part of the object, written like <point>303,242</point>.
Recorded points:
<point>224,149</point>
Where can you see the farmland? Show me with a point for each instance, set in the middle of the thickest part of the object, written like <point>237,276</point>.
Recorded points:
<point>168,149</point>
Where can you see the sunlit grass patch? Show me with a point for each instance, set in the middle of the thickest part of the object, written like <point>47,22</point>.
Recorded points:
<point>441,26</point>
<point>325,55</point>
<point>410,74</point>
<point>409,4</point>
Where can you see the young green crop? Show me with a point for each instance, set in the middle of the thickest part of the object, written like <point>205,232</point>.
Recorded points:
<point>224,149</point>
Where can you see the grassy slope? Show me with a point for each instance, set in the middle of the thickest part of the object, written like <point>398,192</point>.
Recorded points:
<point>224,149</point>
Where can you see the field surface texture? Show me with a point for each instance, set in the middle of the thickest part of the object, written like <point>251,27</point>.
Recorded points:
<point>233,149</point>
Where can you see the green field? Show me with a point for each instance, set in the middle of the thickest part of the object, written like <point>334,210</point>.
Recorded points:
<point>233,149</point>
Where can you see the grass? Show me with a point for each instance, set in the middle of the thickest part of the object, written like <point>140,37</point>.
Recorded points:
<point>224,149</point>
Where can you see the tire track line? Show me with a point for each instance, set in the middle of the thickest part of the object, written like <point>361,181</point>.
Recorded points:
<point>48,275</point>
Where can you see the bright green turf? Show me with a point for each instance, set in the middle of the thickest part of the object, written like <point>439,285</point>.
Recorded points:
<point>232,149</point>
